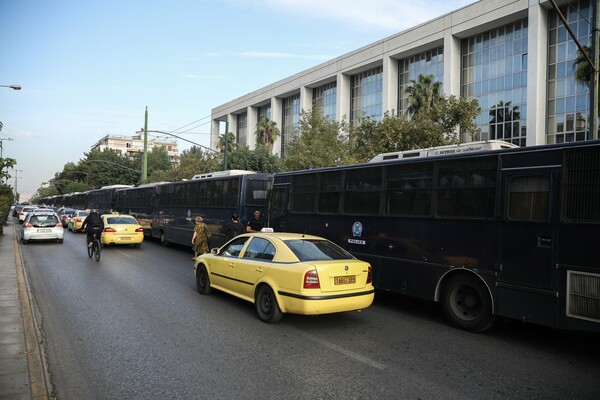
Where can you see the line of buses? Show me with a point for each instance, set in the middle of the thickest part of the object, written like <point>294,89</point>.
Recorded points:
<point>486,229</point>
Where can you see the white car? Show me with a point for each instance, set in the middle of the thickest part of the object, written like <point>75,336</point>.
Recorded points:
<point>42,225</point>
<point>23,213</point>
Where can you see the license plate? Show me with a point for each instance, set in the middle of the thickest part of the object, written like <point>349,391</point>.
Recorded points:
<point>344,280</point>
<point>44,230</point>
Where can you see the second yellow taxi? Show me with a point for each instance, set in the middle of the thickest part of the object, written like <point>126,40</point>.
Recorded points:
<point>121,229</point>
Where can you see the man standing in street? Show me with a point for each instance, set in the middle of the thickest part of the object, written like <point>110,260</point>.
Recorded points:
<point>256,223</point>
<point>232,228</point>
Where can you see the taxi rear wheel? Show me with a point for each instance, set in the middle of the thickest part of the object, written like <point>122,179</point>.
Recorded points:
<point>266,305</point>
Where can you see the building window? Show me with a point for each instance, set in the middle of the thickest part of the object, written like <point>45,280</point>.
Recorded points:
<point>494,72</point>
<point>367,95</point>
<point>568,101</point>
<point>291,118</point>
<point>242,129</point>
<point>430,62</point>
<point>324,97</point>
<point>264,112</point>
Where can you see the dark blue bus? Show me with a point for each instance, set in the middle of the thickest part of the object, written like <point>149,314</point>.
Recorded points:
<point>490,233</point>
<point>171,207</point>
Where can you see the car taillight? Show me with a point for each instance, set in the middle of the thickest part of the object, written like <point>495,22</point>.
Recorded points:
<point>311,280</point>
<point>28,225</point>
<point>139,230</point>
<point>58,223</point>
<point>370,275</point>
<point>109,230</point>
<point>78,220</point>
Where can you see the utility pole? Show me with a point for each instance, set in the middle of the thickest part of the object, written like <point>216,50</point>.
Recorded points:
<point>145,154</point>
<point>226,144</point>
<point>595,69</point>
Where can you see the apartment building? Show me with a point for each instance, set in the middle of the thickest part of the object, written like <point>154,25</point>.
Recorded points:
<point>135,144</point>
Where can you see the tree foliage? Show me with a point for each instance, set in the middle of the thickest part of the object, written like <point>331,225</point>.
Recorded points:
<point>318,142</point>
<point>583,69</point>
<point>191,162</point>
<point>267,133</point>
<point>259,160</point>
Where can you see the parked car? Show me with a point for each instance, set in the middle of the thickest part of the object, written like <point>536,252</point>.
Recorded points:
<point>65,215</point>
<point>23,213</point>
<point>287,273</point>
<point>121,229</point>
<point>42,225</point>
<point>76,220</point>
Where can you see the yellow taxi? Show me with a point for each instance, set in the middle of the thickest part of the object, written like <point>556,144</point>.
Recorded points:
<point>121,229</point>
<point>76,220</point>
<point>287,273</point>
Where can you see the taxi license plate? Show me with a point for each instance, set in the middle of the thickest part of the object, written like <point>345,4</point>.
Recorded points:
<point>344,280</point>
<point>44,230</point>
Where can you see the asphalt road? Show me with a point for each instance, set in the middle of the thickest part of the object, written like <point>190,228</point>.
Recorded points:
<point>133,327</point>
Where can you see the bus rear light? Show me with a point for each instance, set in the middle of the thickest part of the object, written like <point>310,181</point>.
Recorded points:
<point>311,280</point>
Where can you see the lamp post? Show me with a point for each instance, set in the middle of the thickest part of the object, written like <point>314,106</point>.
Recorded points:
<point>13,87</point>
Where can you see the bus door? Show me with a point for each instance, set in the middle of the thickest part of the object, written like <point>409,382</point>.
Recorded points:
<point>278,208</point>
<point>527,277</point>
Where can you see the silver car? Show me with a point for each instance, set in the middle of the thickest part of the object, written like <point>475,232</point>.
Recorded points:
<point>42,225</point>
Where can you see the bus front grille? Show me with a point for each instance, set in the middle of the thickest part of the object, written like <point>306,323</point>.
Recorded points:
<point>583,299</point>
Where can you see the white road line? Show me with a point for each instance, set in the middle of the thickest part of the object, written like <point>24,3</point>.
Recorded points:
<point>344,351</point>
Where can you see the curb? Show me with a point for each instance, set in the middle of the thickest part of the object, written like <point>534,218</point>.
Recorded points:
<point>35,361</point>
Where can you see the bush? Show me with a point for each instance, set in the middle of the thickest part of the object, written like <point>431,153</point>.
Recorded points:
<point>6,200</point>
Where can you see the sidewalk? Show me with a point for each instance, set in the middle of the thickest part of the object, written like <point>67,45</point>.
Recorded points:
<point>22,371</point>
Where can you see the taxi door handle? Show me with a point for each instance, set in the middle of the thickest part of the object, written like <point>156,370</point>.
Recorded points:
<point>231,264</point>
<point>259,269</point>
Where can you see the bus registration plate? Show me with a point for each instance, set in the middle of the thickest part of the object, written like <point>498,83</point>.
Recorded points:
<point>344,280</point>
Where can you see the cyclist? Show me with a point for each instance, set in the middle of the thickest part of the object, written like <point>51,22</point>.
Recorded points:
<point>92,224</point>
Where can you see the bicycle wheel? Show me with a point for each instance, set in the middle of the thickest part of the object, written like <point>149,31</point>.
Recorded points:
<point>97,249</point>
<point>90,251</point>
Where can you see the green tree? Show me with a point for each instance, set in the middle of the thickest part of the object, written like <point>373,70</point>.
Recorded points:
<point>191,162</point>
<point>423,94</point>
<point>107,167</point>
<point>583,69</point>
<point>267,133</point>
<point>318,142</point>
<point>230,143</point>
<point>5,164</point>
<point>259,160</point>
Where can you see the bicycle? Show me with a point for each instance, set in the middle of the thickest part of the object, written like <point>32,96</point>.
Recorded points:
<point>96,249</point>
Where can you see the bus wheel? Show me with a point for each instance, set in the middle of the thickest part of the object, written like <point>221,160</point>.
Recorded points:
<point>467,304</point>
<point>163,240</point>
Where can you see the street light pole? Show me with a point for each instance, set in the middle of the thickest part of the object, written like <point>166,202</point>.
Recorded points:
<point>13,87</point>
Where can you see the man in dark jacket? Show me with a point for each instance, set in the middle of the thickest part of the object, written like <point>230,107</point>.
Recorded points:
<point>92,224</point>
<point>232,228</point>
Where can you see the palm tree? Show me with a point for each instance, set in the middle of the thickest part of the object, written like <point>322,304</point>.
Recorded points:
<point>230,142</point>
<point>266,133</point>
<point>423,94</point>
<point>583,69</point>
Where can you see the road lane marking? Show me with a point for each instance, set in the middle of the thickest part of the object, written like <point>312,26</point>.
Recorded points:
<point>346,352</point>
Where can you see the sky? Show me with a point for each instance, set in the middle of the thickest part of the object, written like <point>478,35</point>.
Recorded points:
<point>90,68</point>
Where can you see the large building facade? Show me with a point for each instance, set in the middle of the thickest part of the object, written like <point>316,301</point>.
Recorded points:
<point>514,56</point>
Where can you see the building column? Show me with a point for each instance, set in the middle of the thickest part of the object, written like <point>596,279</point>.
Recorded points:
<point>390,85</point>
<point>214,133</point>
<point>251,121</point>
<point>306,98</point>
<point>342,101</point>
<point>452,64</point>
<point>537,57</point>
